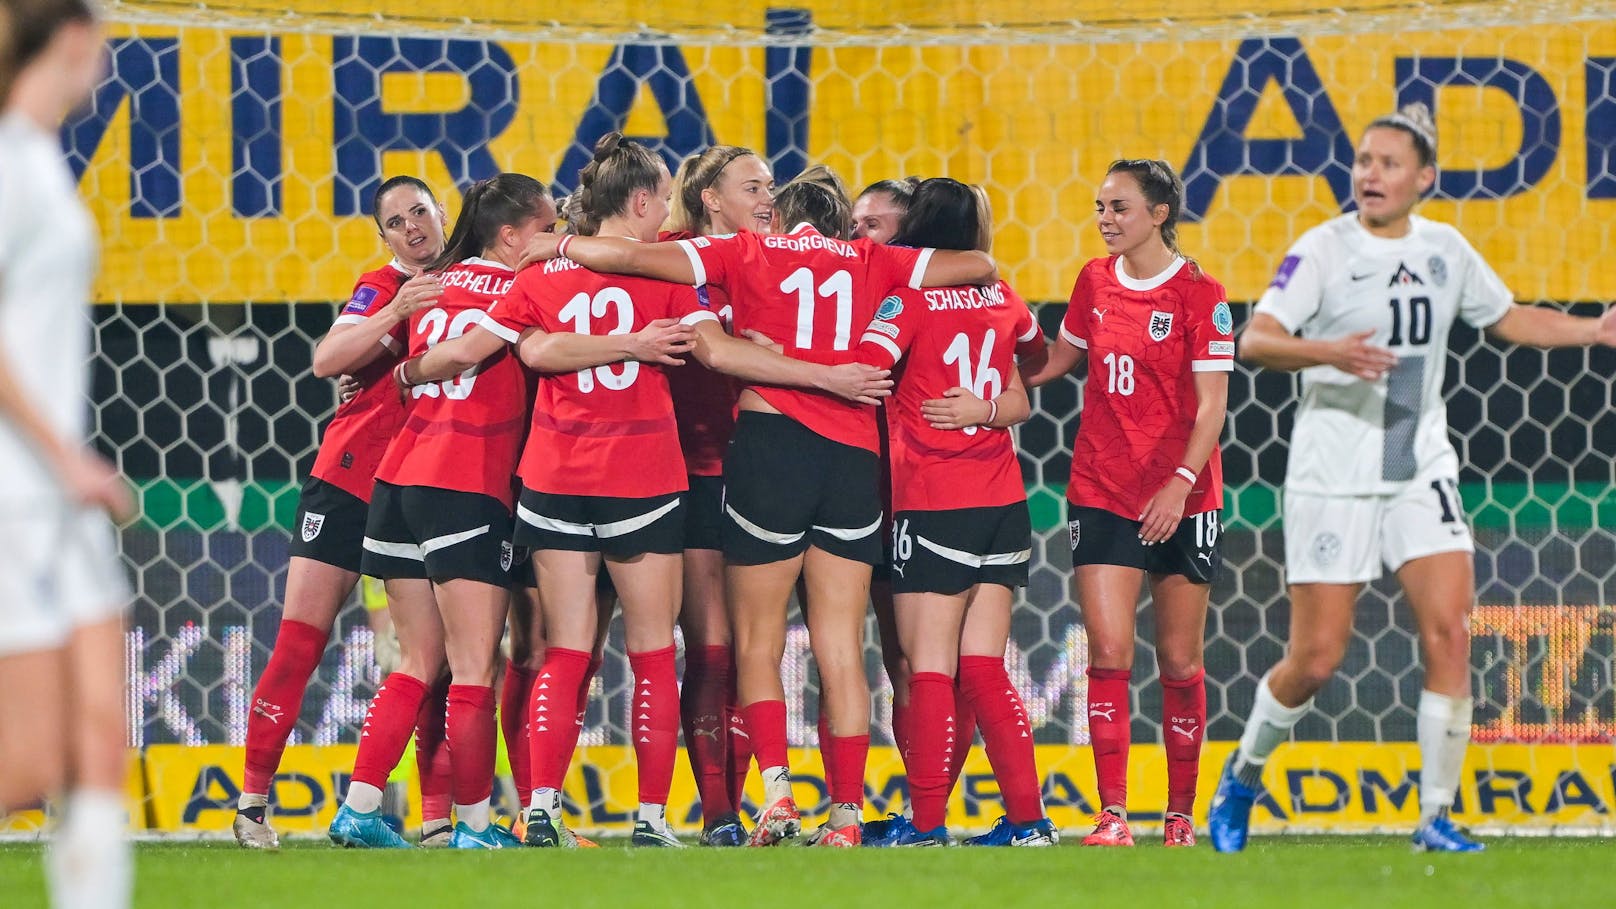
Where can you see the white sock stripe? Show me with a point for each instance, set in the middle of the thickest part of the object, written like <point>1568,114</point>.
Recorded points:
<point>767,536</point>
<point>846,535</point>
<point>450,539</point>
<point>394,550</point>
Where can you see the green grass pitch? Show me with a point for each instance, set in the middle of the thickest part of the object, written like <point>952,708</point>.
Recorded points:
<point>1278,872</point>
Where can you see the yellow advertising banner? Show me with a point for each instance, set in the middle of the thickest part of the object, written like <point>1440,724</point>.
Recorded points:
<point>33,820</point>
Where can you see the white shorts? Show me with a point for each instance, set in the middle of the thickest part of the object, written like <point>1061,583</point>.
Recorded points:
<point>1346,539</point>
<point>59,570</point>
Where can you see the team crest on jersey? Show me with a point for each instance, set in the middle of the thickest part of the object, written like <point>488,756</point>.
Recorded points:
<point>890,308</point>
<point>312,525</point>
<point>360,302</point>
<point>1439,271</point>
<point>507,554</point>
<point>1222,319</point>
<point>1161,325</point>
<point>1405,276</point>
<point>1326,549</point>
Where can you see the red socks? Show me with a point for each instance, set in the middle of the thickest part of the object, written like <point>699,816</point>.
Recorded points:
<point>1109,692</point>
<point>559,694</point>
<point>986,687</point>
<point>931,746</point>
<point>739,760</point>
<point>470,733</point>
<point>964,734</point>
<point>432,762</point>
<point>848,754</point>
<point>900,729</point>
<point>702,714</point>
<point>766,724</point>
<point>278,699</point>
<point>513,697</point>
<point>656,721</point>
<point>388,725</point>
<point>1183,726</point>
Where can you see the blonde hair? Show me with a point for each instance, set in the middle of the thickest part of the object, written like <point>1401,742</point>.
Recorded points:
<point>1416,120</point>
<point>984,218</point>
<point>697,174</point>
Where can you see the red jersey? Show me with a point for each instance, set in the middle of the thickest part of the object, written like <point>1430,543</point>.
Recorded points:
<point>703,400</point>
<point>946,337</point>
<point>810,292</point>
<point>357,436</point>
<point>607,430</point>
<point>463,433</point>
<point>1145,341</point>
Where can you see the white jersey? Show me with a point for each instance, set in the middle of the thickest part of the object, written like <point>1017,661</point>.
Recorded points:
<point>1352,437</point>
<point>47,262</point>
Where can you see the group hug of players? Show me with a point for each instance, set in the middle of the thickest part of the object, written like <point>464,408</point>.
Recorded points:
<point>671,409</point>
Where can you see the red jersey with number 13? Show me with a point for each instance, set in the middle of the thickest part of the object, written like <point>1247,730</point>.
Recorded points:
<point>1146,340</point>
<point>464,433</point>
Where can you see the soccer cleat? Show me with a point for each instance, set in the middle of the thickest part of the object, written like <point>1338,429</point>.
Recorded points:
<point>837,837</point>
<point>777,822</point>
<point>727,830</point>
<point>1178,831</point>
<point>1110,829</point>
<point>1037,834</point>
<point>367,830</point>
<point>438,837</point>
<point>545,832</point>
<point>911,837</point>
<point>251,834</point>
<point>649,834</point>
<point>1441,834</point>
<point>492,837</point>
<point>884,831</point>
<point>1229,819</point>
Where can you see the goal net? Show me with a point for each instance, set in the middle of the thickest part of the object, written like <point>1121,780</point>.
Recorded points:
<point>231,152</point>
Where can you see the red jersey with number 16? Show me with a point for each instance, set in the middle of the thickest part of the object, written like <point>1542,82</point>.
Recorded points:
<point>464,433</point>
<point>358,434</point>
<point>607,430</point>
<point>811,292</point>
<point>1146,340</point>
<point>967,337</point>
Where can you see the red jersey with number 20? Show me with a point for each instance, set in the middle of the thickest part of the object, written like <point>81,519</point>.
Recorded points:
<point>967,337</point>
<point>463,433</point>
<point>1145,340</point>
<point>607,430</point>
<point>811,292</point>
<point>358,434</point>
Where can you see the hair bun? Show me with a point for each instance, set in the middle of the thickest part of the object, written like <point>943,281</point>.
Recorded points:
<point>1418,114</point>
<point>608,145</point>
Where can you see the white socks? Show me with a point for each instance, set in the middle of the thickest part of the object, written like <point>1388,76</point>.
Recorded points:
<point>88,862</point>
<point>363,798</point>
<point>776,784</point>
<point>477,816</point>
<point>653,814</point>
<point>1269,725</point>
<point>1443,731</point>
<point>843,814</point>
<point>547,800</point>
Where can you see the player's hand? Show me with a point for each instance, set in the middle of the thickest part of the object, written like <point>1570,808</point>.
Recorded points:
<point>763,340</point>
<point>1606,332</point>
<point>417,293</point>
<point>857,382</point>
<point>1354,354</point>
<point>661,342</point>
<point>958,408</point>
<point>541,248</point>
<point>92,481</point>
<point>1163,512</point>
<point>348,388</point>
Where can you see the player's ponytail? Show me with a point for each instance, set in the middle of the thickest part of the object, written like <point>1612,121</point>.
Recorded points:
<point>697,174</point>
<point>816,196</point>
<point>946,214</point>
<point>620,168</point>
<point>1414,119</point>
<point>1160,185</point>
<point>503,201</point>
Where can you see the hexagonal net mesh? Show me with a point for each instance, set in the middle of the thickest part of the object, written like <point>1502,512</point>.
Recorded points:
<point>231,152</point>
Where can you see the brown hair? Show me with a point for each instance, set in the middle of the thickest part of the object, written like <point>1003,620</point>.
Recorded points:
<point>818,197</point>
<point>503,201</point>
<point>620,168</point>
<point>697,174</point>
<point>1160,185</point>
<point>30,26</point>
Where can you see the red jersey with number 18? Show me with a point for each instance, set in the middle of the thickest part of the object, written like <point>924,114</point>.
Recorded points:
<point>360,431</point>
<point>967,337</point>
<point>811,292</point>
<point>607,430</point>
<point>463,433</point>
<point>1146,340</point>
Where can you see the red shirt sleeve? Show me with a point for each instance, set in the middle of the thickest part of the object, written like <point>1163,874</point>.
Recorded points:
<point>715,259</point>
<point>366,299</point>
<point>1211,328</point>
<point>888,336</point>
<point>684,304</point>
<point>893,267</point>
<point>1029,335</point>
<point>1075,324</point>
<point>517,310</point>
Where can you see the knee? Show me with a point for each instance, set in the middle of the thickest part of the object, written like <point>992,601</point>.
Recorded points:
<point>1313,668</point>
<point>1447,635</point>
<point>1110,654</point>
<point>1178,666</point>
<point>898,671</point>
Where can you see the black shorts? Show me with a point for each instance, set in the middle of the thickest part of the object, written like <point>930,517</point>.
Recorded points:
<point>1102,538</point>
<point>330,525</point>
<point>952,551</point>
<point>612,526</point>
<point>439,534</point>
<point>704,513</point>
<point>787,488</point>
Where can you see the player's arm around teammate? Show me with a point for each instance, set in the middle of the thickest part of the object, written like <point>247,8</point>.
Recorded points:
<point>1155,334</point>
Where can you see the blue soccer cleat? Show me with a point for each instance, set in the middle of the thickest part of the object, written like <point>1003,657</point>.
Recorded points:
<point>492,837</point>
<point>1038,833</point>
<point>1228,821</point>
<point>1441,834</point>
<point>725,831</point>
<point>911,837</point>
<point>885,831</point>
<point>363,830</point>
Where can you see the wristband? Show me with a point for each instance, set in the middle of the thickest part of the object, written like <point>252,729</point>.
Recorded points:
<point>1186,473</point>
<point>399,375</point>
<point>993,412</point>
<point>561,248</point>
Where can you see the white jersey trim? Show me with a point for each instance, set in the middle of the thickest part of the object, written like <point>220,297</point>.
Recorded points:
<point>767,536</point>
<point>696,265</point>
<point>408,551</point>
<point>487,263</point>
<point>971,560</point>
<point>1032,332</point>
<point>350,319</point>
<point>1212,366</point>
<point>504,332</point>
<point>696,318</point>
<point>1073,340</point>
<point>885,343</point>
<point>1152,282</point>
<point>450,539</point>
<point>391,343</point>
<point>849,535</point>
<point>921,264</point>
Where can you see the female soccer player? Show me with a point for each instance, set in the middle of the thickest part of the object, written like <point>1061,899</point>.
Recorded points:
<point>1361,306</point>
<point>62,593</point>
<point>441,513</point>
<point>961,533</point>
<point>365,341</point>
<point>722,190</point>
<point>879,210</point>
<point>1146,484</point>
<point>800,476</point>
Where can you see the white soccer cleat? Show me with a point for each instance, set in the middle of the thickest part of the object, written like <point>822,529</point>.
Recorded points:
<point>251,834</point>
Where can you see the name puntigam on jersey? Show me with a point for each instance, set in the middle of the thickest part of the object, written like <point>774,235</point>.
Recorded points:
<point>606,430</point>
<point>463,433</point>
<point>1145,340</point>
<point>1354,437</point>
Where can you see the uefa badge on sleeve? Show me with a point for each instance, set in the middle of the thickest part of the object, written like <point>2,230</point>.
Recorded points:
<point>1222,319</point>
<point>1161,325</point>
<point>312,524</point>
